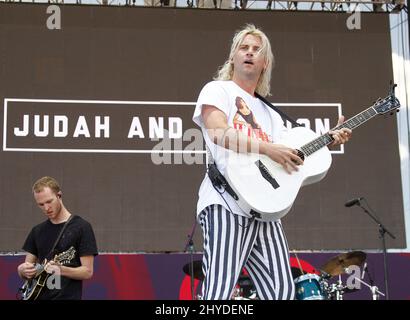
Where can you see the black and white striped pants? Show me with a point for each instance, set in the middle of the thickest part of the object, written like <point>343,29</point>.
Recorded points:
<point>232,242</point>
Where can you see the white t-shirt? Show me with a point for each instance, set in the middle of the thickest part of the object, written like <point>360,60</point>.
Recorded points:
<point>262,123</point>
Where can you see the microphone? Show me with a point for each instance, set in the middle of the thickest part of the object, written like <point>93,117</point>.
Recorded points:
<point>353,202</point>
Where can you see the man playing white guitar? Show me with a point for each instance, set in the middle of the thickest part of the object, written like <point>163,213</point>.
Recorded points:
<point>232,238</point>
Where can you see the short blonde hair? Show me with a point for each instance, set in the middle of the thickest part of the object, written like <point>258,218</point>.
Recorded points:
<point>225,72</point>
<point>45,182</point>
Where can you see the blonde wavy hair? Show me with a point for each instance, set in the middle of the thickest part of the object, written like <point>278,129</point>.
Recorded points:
<point>225,72</point>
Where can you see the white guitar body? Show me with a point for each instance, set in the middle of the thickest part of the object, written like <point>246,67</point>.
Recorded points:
<point>265,190</point>
<point>273,201</point>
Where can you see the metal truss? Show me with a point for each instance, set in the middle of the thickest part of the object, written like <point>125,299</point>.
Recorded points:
<point>377,6</point>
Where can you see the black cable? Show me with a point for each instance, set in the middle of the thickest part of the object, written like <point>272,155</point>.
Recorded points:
<point>221,194</point>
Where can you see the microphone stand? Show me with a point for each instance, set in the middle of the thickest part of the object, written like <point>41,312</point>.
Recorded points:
<point>382,232</point>
<point>190,247</point>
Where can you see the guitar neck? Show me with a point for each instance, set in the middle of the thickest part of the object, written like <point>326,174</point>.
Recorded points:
<point>326,139</point>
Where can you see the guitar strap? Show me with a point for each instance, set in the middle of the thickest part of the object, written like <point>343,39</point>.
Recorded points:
<point>281,113</point>
<point>221,184</point>
<point>59,235</point>
<point>218,180</point>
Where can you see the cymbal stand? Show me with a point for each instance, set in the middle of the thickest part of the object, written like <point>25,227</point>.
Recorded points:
<point>336,290</point>
<point>339,289</point>
<point>374,290</point>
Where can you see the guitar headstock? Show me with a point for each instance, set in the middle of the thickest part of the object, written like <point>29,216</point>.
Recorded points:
<point>388,104</point>
<point>65,256</point>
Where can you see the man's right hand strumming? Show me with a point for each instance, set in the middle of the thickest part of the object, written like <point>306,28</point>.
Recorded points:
<point>285,156</point>
<point>27,270</point>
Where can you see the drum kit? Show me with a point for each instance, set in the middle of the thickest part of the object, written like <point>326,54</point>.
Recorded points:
<point>312,286</point>
<point>326,285</point>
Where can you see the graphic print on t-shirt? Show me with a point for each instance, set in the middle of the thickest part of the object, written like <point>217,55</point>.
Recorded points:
<point>245,121</point>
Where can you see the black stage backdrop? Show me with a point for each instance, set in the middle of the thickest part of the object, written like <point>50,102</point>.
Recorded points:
<point>84,103</point>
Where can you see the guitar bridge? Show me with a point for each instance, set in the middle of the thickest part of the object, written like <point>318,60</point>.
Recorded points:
<point>266,174</point>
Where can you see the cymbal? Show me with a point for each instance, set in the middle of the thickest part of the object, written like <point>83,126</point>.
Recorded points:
<point>197,267</point>
<point>338,264</point>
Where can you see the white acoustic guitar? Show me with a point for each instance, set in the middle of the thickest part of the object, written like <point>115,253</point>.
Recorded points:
<point>265,190</point>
